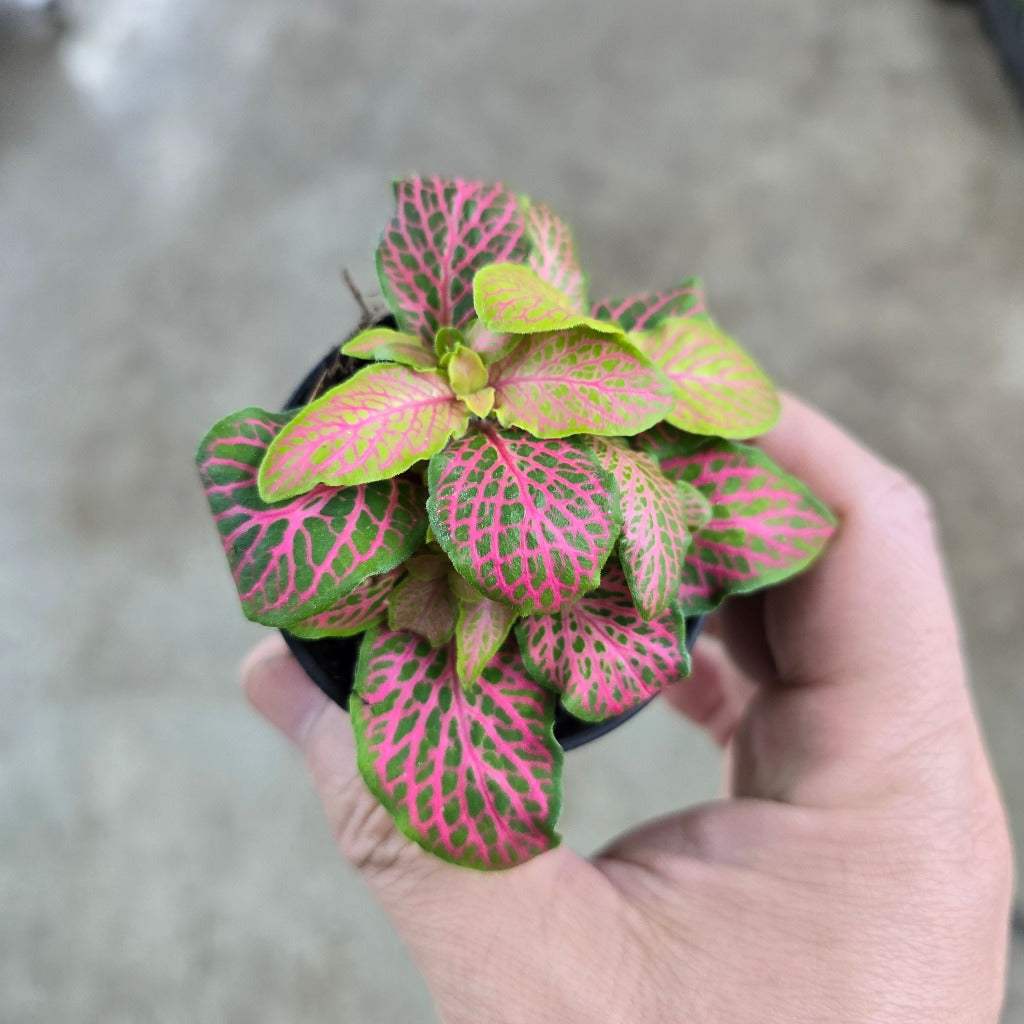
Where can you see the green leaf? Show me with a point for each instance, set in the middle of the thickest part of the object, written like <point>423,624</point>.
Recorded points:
<point>553,253</point>
<point>472,777</point>
<point>446,341</point>
<point>424,606</point>
<point>720,389</point>
<point>357,611</point>
<point>384,345</point>
<point>654,540</point>
<point>466,372</point>
<point>572,382</point>
<point>528,522</point>
<point>481,403</point>
<point>512,299</point>
<point>601,655</point>
<point>374,426</point>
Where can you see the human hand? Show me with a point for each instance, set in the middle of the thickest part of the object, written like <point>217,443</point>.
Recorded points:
<point>860,870</point>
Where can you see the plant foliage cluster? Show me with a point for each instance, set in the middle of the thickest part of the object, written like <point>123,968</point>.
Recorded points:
<point>519,499</point>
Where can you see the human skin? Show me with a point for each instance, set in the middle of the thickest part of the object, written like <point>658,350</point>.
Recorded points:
<point>859,870</point>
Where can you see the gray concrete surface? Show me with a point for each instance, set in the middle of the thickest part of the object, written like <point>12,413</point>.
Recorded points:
<point>180,183</point>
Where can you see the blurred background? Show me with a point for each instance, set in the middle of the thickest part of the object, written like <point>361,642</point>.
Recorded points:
<point>181,182</point>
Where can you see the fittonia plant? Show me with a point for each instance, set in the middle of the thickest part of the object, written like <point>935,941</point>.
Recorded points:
<point>518,500</point>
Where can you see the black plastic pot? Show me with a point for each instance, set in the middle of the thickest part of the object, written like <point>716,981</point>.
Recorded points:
<point>331,662</point>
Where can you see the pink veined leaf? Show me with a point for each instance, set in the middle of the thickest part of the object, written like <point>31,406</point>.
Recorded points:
<point>359,609</point>
<point>296,558</point>
<point>528,522</point>
<point>483,627</point>
<point>766,526</point>
<point>471,777</point>
<point>664,440</point>
<point>644,312</point>
<point>720,389</point>
<point>553,253</point>
<point>654,539</point>
<point>426,607</point>
<point>573,382</point>
<point>375,425</point>
<point>696,508</point>
<point>601,655</point>
<point>511,298</point>
<point>442,233</point>
<point>385,345</point>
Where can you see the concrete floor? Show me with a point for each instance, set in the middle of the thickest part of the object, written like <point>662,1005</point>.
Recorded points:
<point>180,183</point>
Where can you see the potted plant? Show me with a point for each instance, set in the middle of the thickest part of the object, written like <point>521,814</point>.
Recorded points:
<point>517,502</point>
